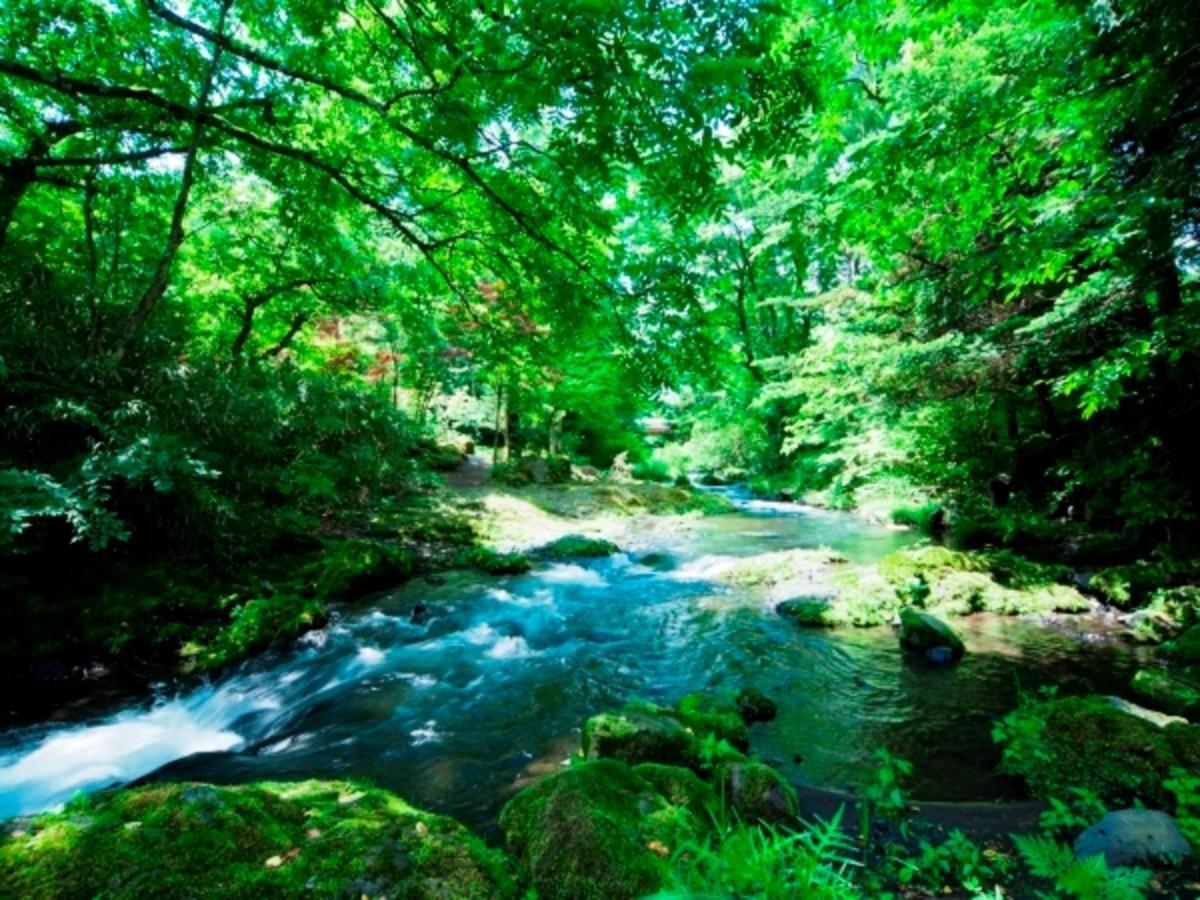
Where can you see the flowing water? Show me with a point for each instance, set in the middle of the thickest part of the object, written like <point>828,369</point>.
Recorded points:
<point>454,710</point>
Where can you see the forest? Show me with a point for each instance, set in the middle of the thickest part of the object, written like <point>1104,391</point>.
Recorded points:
<point>600,448</point>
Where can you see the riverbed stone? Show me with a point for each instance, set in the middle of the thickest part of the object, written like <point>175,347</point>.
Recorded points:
<point>1165,691</point>
<point>596,831</point>
<point>940,656</point>
<point>1130,837</point>
<point>921,631</point>
<point>640,736</point>
<point>755,706</point>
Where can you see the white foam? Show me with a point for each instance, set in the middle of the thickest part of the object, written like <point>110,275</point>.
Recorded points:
<point>370,656</point>
<point>418,681</point>
<point>509,648</point>
<point>480,634</point>
<point>571,573</point>
<point>426,734</point>
<point>122,749</point>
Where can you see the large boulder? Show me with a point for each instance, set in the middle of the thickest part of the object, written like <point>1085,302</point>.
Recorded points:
<point>808,611</point>
<point>1131,837</point>
<point>1085,742</point>
<point>324,839</point>
<point>1165,691</point>
<point>640,736</point>
<point>922,632</point>
<point>599,831</point>
<point>757,792</point>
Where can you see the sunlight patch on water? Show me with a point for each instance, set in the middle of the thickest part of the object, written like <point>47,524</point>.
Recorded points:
<point>370,656</point>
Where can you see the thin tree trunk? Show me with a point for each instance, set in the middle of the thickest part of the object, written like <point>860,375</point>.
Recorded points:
<point>162,274</point>
<point>293,330</point>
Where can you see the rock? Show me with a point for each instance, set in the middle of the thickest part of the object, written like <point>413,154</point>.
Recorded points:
<point>1149,626</point>
<point>621,469</point>
<point>1161,720</point>
<point>1130,837</point>
<point>657,560</point>
<point>940,656</point>
<point>1164,691</point>
<point>585,473</point>
<point>263,840</point>
<point>812,611</point>
<point>921,632</point>
<point>705,715</point>
<point>576,545</point>
<point>640,737</point>
<point>596,831</point>
<point>350,568</point>
<point>1186,648</point>
<point>757,792</point>
<point>755,706</point>
<point>420,612</point>
<point>1084,742</point>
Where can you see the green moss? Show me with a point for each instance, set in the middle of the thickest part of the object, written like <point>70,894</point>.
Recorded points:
<point>1165,691</point>
<point>757,793</point>
<point>808,611</point>
<point>264,840</point>
<point>920,631</point>
<point>350,568</point>
<point>648,734</point>
<point>576,545</point>
<point>595,831</point>
<point>494,563</point>
<point>1186,647</point>
<point>705,714</point>
<point>681,787</point>
<point>253,627</point>
<point>1057,745</point>
<point>919,517</point>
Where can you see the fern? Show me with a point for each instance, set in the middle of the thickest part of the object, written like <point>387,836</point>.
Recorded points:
<point>1087,879</point>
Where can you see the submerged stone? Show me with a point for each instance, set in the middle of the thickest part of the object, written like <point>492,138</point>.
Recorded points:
<point>755,706</point>
<point>806,611</point>
<point>922,632</point>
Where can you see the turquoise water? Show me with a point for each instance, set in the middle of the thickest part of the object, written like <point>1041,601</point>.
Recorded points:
<point>456,709</point>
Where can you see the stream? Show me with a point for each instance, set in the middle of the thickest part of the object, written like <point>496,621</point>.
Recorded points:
<point>455,710</point>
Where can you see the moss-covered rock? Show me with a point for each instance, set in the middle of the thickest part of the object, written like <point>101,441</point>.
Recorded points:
<point>1085,742</point>
<point>757,793</point>
<point>265,840</point>
<point>1167,692</point>
<point>647,735</point>
<point>681,787</point>
<point>921,632</point>
<point>1186,648</point>
<point>350,568</point>
<point>596,831</point>
<point>808,611</point>
<point>755,706</point>
<point>252,627</point>
<point>494,563</point>
<point>576,545</point>
<point>705,714</point>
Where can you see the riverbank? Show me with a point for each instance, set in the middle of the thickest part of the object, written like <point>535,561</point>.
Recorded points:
<point>135,623</point>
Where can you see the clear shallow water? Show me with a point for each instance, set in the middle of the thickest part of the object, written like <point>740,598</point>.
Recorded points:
<point>454,711</point>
